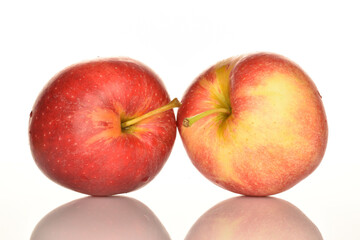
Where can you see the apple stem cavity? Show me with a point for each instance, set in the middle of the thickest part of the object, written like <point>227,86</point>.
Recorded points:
<point>191,120</point>
<point>173,104</point>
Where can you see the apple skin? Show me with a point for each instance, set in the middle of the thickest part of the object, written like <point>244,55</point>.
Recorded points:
<point>75,134</point>
<point>254,218</point>
<point>276,132</point>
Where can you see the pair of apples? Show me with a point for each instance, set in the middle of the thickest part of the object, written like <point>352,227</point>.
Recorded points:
<point>253,124</point>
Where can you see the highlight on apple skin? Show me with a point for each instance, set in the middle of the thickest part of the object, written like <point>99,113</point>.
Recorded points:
<point>103,127</point>
<point>254,124</point>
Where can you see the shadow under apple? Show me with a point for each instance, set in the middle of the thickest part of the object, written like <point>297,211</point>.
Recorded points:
<point>254,218</point>
<point>103,218</point>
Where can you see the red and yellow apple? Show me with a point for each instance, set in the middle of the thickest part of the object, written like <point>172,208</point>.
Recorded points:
<point>254,124</point>
<point>103,127</point>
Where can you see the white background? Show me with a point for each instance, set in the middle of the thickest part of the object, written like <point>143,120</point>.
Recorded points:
<point>179,40</point>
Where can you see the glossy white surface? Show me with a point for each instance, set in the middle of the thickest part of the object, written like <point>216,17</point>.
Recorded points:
<point>178,41</point>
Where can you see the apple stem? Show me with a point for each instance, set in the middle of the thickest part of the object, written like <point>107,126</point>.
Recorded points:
<point>173,104</point>
<point>191,120</point>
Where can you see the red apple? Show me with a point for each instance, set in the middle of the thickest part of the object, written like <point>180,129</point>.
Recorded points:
<point>254,124</point>
<point>95,218</point>
<point>254,218</point>
<point>103,127</point>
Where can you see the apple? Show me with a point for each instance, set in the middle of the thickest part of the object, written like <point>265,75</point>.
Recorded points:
<point>103,127</point>
<point>254,218</point>
<point>254,124</point>
<point>94,218</point>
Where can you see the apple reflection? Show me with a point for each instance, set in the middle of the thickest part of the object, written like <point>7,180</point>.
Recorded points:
<point>254,218</point>
<point>103,218</point>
